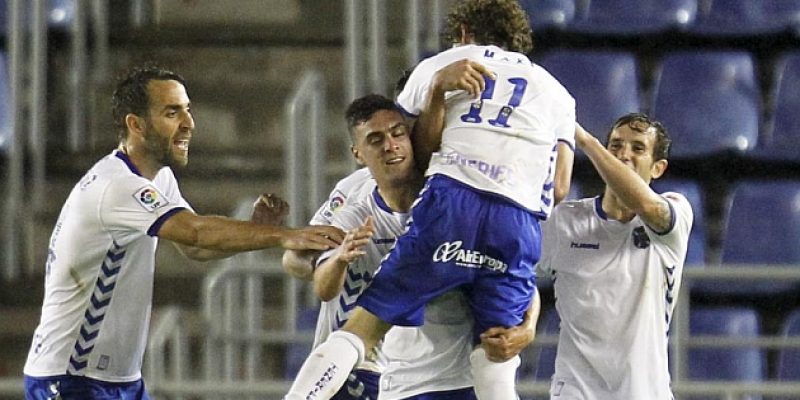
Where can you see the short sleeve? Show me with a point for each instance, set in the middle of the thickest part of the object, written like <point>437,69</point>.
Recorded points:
<point>677,235</point>
<point>338,198</point>
<point>412,98</point>
<point>134,204</point>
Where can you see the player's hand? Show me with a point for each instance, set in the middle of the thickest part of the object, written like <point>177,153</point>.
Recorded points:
<point>462,75</point>
<point>269,209</point>
<point>352,246</point>
<point>501,344</point>
<point>317,237</point>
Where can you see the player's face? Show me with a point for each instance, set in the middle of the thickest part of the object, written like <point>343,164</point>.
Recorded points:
<point>382,143</point>
<point>635,149</point>
<point>169,123</point>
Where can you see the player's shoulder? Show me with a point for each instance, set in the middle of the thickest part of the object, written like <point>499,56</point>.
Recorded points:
<point>353,182</point>
<point>679,202</point>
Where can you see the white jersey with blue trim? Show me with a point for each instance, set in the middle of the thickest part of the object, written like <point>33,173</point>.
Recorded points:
<point>413,360</point>
<point>616,287</point>
<point>504,142</point>
<point>99,273</point>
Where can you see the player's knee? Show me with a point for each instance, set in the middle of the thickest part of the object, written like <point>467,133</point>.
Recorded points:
<point>342,337</point>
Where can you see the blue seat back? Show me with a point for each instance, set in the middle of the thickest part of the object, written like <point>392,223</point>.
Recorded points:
<point>746,17</point>
<point>744,364</point>
<point>788,368</point>
<point>763,223</point>
<point>605,85</point>
<point>549,14</point>
<point>696,253</point>
<point>782,140</point>
<point>625,17</point>
<point>709,102</point>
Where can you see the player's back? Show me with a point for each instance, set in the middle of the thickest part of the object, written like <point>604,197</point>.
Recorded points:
<point>504,141</point>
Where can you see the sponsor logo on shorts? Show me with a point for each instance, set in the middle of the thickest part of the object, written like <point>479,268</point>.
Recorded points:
<point>452,252</point>
<point>150,198</point>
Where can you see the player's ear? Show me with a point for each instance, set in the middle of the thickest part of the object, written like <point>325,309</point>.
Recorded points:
<point>135,124</point>
<point>357,156</point>
<point>658,168</point>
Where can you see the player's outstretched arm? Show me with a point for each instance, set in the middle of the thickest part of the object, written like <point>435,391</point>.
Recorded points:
<point>502,344</point>
<point>268,209</point>
<point>330,275</point>
<point>631,189</point>
<point>230,235</point>
<point>563,177</point>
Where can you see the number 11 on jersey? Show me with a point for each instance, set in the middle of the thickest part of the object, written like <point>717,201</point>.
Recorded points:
<point>474,114</point>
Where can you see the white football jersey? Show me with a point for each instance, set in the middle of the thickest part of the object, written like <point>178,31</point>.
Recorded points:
<point>616,286</point>
<point>413,360</point>
<point>99,273</point>
<point>504,142</point>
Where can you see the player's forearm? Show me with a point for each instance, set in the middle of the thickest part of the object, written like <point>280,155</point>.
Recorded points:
<point>198,254</point>
<point>428,128</point>
<point>563,175</point>
<point>329,278</point>
<point>219,233</point>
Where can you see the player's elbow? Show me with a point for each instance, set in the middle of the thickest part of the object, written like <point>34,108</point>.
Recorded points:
<point>325,292</point>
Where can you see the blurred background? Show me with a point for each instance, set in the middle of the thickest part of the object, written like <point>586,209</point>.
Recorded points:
<point>269,81</point>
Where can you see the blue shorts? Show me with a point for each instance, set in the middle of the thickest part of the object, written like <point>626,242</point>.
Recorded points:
<point>68,387</point>
<point>458,394</point>
<point>360,385</point>
<point>459,237</point>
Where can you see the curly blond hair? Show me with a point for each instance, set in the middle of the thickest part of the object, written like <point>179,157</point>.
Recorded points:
<point>502,23</point>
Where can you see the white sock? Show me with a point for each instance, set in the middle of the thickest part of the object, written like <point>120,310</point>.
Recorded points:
<point>493,381</point>
<point>327,367</point>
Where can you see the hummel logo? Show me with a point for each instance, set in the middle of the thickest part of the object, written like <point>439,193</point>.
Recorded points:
<point>593,246</point>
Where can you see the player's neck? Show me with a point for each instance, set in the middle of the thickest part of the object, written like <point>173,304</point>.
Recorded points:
<point>400,196</point>
<point>614,208</point>
<point>147,167</point>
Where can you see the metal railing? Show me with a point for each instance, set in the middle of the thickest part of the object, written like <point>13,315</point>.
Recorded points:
<point>167,351</point>
<point>222,310</point>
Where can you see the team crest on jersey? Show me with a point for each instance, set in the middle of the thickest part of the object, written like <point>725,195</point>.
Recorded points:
<point>150,198</point>
<point>640,238</point>
<point>335,202</point>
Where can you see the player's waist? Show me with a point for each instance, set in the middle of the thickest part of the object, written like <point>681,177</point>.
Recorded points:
<point>442,177</point>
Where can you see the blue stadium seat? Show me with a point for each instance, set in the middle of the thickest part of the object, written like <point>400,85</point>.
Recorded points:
<point>754,237</point>
<point>605,85</point>
<point>626,17</point>
<point>788,368</point>
<point>296,353</point>
<point>710,102</point>
<point>549,14</point>
<point>695,255</point>
<point>5,105</point>
<point>741,364</point>
<point>781,141</point>
<point>539,362</point>
<point>746,17</point>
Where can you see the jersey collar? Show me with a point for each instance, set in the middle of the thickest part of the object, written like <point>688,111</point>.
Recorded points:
<point>124,157</point>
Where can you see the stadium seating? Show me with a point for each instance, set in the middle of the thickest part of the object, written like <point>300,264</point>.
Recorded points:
<point>761,238</point>
<point>625,17</point>
<point>788,368</point>
<point>746,17</point>
<point>709,101</point>
<point>695,256</point>
<point>605,85</point>
<point>744,364</point>
<point>549,14</point>
<point>781,139</point>
<point>296,353</point>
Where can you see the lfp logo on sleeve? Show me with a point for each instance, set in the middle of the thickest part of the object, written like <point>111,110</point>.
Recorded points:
<point>150,198</point>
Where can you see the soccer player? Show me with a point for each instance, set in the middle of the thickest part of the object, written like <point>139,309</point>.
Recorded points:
<point>476,223</point>
<point>427,362</point>
<point>101,258</point>
<point>618,259</point>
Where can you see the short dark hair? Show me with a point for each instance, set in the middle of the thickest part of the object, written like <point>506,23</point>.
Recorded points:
<point>362,109</point>
<point>502,23</point>
<point>663,141</point>
<point>131,97</point>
